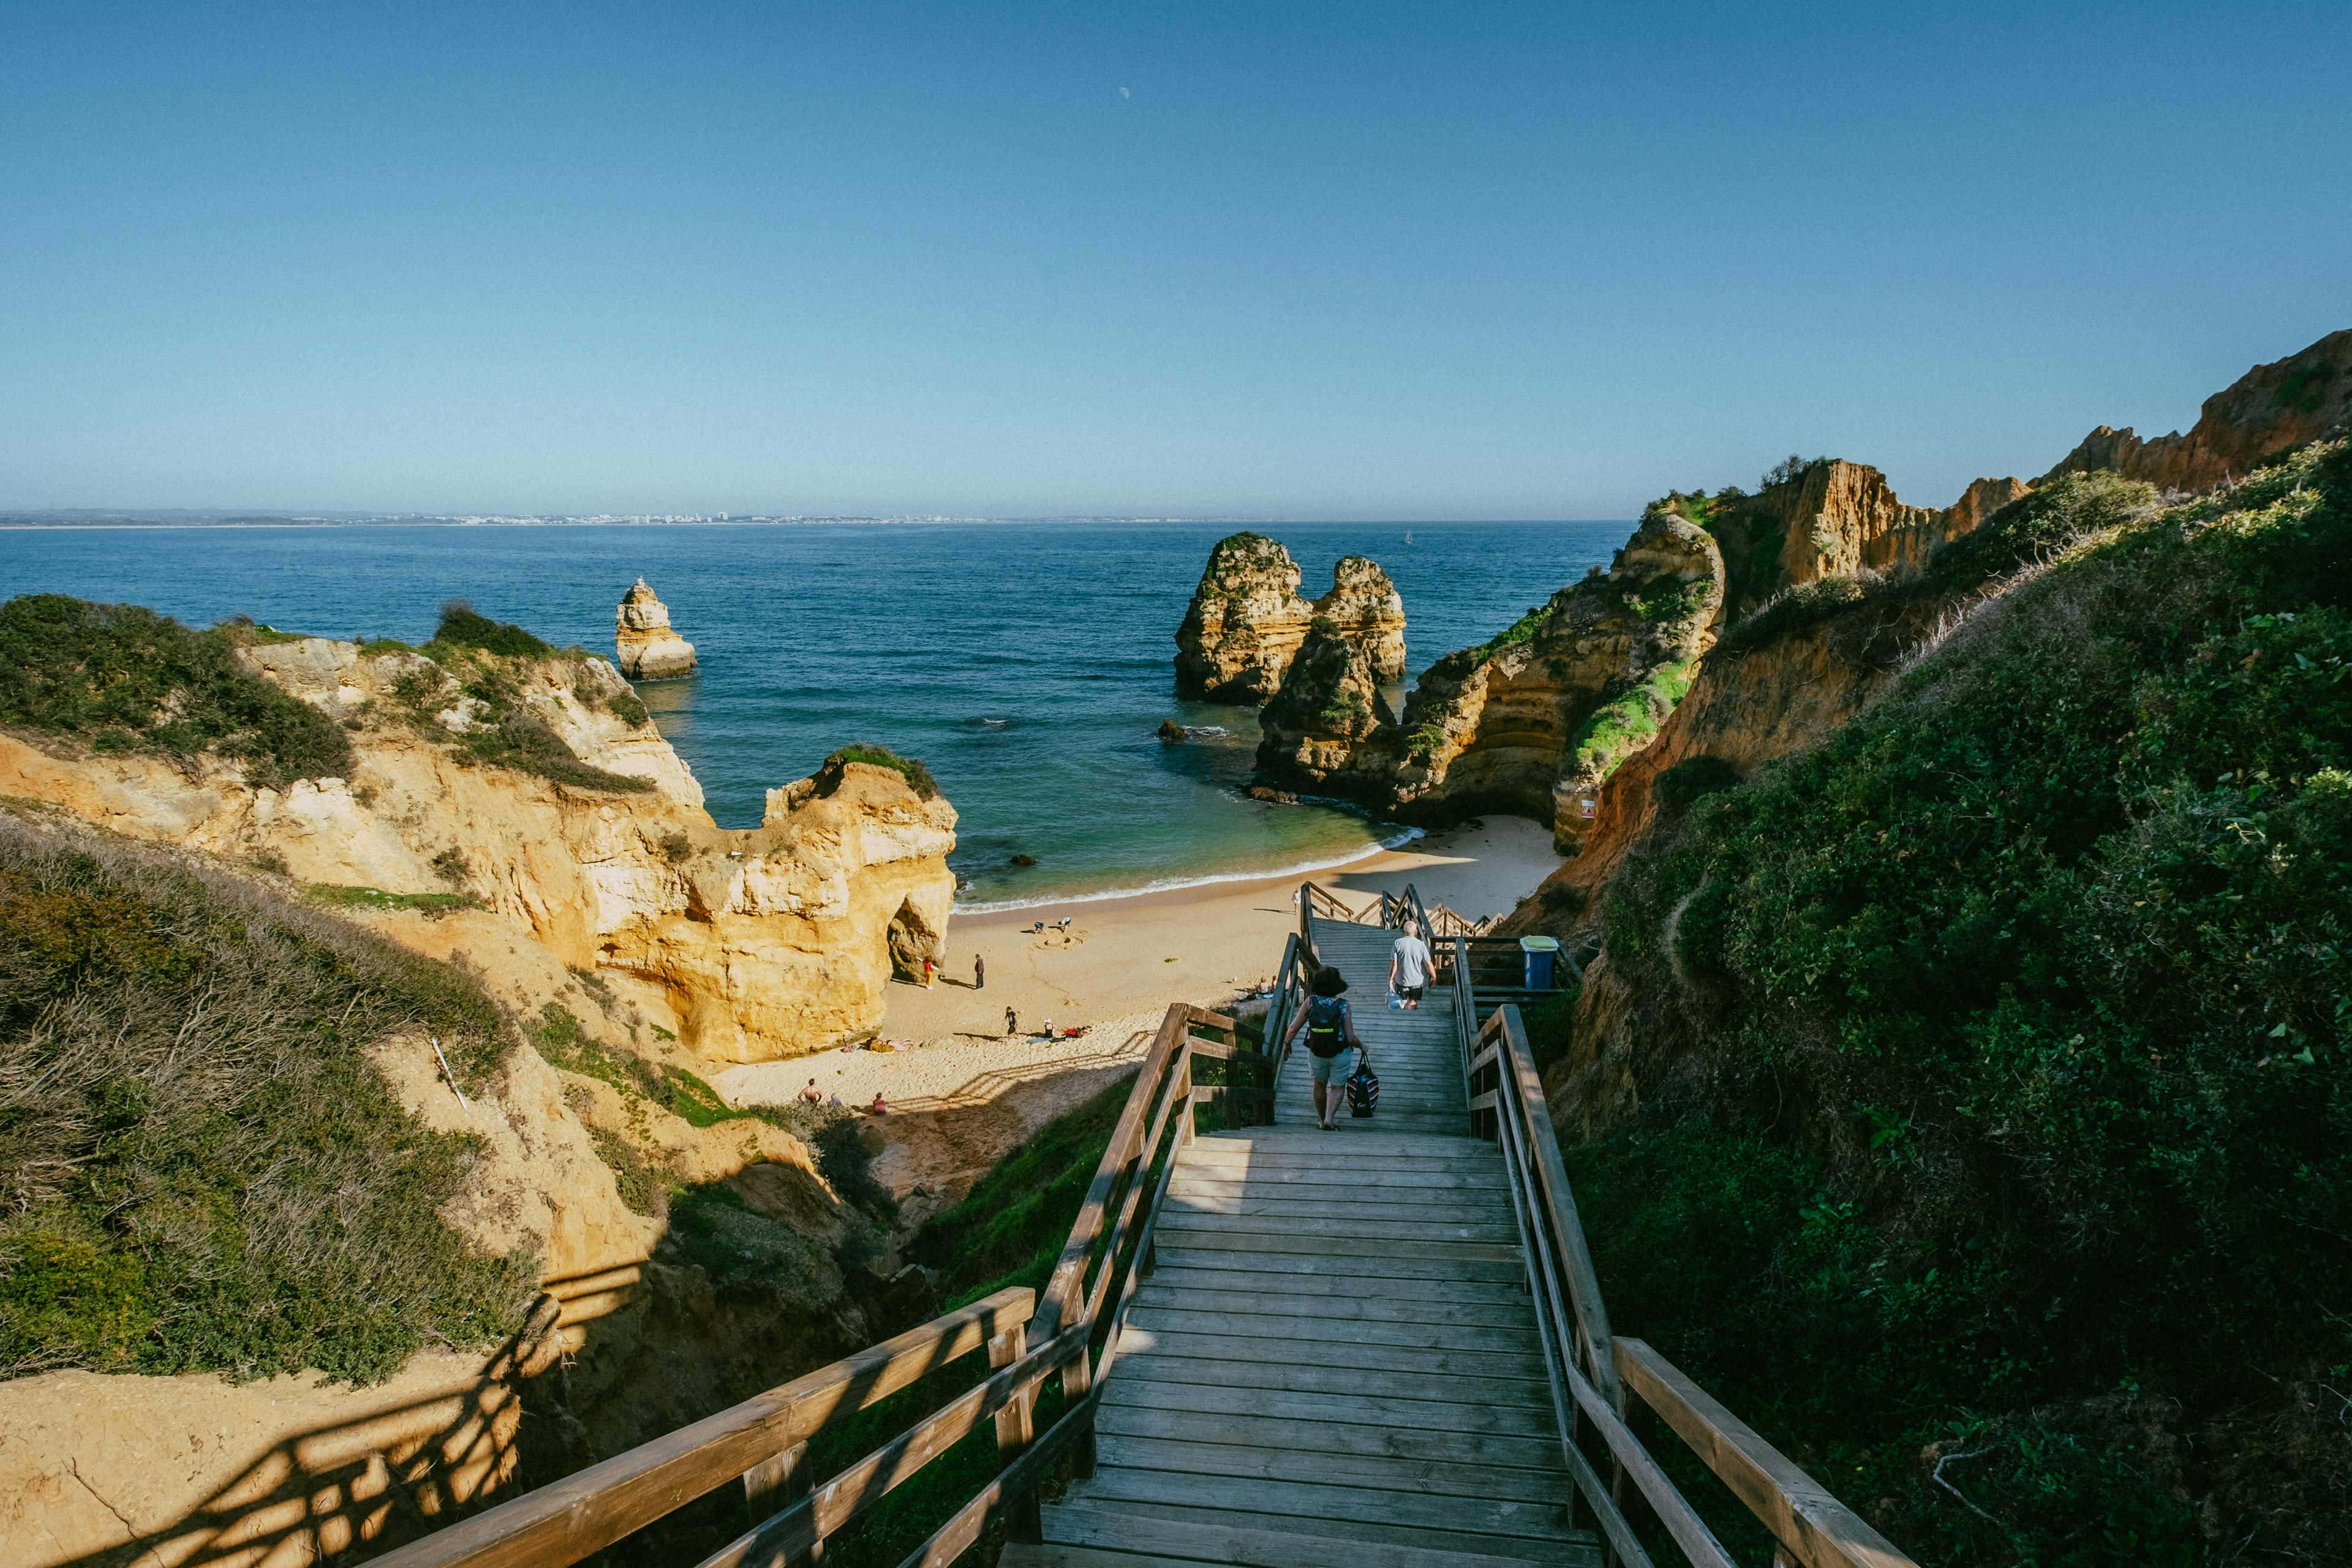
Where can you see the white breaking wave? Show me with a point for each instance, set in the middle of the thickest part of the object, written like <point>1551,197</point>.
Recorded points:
<point>1174,884</point>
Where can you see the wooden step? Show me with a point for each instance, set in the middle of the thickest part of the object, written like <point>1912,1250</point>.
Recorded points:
<point>1414,1411</point>
<point>1225,1456</point>
<point>1369,1383</point>
<point>1330,1508</point>
<point>1357,1302</point>
<point>1373,1285</point>
<point>1386,1439</point>
<point>1340,1336</point>
<point>1116,1535</point>
<point>1500,1364</point>
<point>1506,1269</point>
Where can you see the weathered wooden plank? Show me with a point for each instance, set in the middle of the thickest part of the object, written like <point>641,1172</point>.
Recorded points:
<point>1371,1382</point>
<point>1218,1540</point>
<point>791,1533</point>
<point>1560,1205</point>
<point>1480,1517</point>
<point>1318,1335</point>
<point>1805,1515</point>
<point>1425,1361</point>
<point>1449,1265</point>
<point>1344,1207</point>
<point>1205,1240</point>
<point>1421,1478</point>
<point>1307,1221</point>
<point>1368,1300</point>
<point>1126,1134</point>
<point>1384,1439</point>
<point>1560,1554</point>
<point>1440,1418</point>
<point>588,1511</point>
<point>1481,1186</point>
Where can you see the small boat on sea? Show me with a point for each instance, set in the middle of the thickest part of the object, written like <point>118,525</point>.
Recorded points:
<point>1408,536</point>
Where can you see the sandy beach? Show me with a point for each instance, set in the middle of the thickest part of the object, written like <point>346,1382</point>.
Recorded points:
<point>1113,972</point>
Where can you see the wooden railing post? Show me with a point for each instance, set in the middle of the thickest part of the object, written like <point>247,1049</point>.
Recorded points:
<point>775,1482</point>
<point>1015,1427</point>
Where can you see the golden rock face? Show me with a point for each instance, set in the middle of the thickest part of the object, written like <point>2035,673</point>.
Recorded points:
<point>646,646</point>
<point>1247,622</point>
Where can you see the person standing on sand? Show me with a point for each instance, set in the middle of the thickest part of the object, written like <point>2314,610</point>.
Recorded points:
<point>1409,965</point>
<point>979,973</point>
<point>1330,1029</point>
<point>1011,1024</point>
<point>929,969</point>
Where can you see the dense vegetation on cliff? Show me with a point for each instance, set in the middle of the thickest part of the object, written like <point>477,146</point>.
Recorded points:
<point>1998,1107</point>
<point>202,1171</point>
<point>117,677</point>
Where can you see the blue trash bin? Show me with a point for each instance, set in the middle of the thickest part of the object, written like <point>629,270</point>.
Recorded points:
<point>1538,952</point>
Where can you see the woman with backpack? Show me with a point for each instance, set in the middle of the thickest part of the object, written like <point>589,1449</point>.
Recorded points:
<point>1330,1029</point>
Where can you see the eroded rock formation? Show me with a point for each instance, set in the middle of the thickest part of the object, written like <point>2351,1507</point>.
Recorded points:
<point>747,945</point>
<point>2263,413</point>
<point>1246,622</point>
<point>647,648</point>
<point>1559,697</point>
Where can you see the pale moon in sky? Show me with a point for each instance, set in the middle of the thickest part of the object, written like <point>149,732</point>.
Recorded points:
<point>1123,92</point>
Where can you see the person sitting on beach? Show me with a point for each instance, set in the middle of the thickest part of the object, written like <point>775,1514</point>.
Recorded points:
<point>879,1107</point>
<point>1330,1029</point>
<point>812,1095</point>
<point>1409,965</point>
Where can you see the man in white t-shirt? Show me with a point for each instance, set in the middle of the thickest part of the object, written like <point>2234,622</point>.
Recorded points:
<point>1409,965</point>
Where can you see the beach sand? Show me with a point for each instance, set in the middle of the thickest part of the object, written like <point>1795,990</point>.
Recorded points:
<point>962,1094</point>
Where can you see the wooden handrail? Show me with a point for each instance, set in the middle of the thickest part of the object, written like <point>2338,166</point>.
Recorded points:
<point>568,1520</point>
<point>1802,1515</point>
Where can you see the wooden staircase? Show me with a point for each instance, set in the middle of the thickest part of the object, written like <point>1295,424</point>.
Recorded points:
<point>1334,1364</point>
<point>1382,1346</point>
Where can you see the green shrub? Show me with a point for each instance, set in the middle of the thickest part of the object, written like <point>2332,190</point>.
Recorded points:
<point>2021,1070</point>
<point>521,742</point>
<point>627,705</point>
<point>462,627</point>
<point>913,773</point>
<point>123,679</point>
<point>1692,779</point>
<point>204,1172</point>
<point>1524,629</point>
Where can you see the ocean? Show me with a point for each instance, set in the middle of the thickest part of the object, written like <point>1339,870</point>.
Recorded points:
<point>1027,664</point>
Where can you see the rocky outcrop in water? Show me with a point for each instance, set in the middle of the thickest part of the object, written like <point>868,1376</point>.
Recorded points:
<point>1555,700</point>
<point>1246,622</point>
<point>745,944</point>
<point>2263,413</point>
<point>647,648</point>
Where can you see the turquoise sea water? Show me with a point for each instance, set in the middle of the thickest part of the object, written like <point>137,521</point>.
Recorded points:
<point>1027,663</point>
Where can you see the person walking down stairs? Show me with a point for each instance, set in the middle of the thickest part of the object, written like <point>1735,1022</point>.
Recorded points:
<point>1330,1025</point>
<point>1409,967</point>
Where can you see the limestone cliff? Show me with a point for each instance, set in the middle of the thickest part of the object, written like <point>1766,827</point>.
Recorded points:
<point>1557,699</point>
<point>647,648</point>
<point>1246,622</point>
<point>536,788</point>
<point>2263,413</point>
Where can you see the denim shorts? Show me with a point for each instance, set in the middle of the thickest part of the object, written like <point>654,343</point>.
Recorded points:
<point>1333,1067</point>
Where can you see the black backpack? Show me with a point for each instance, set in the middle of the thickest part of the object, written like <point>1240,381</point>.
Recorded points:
<point>1363,1092</point>
<point>1327,1033</point>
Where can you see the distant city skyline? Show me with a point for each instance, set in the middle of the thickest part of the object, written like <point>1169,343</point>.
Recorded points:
<point>1313,261</point>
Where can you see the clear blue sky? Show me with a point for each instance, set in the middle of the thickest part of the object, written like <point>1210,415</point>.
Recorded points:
<point>1267,259</point>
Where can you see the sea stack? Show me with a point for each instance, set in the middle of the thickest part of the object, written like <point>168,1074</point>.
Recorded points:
<point>649,648</point>
<point>1246,621</point>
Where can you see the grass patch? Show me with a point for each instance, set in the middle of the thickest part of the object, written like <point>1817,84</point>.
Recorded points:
<point>1011,1227</point>
<point>204,1172</point>
<point>1522,630</point>
<point>917,775</point>
<point>122,678</point>
<point>631,710</point>
<point>521,742</point>
<point>340,897</point>
<point>1629,721</point>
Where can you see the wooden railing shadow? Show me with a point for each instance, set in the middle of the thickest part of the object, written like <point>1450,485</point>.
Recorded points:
<point>397,1472</point>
